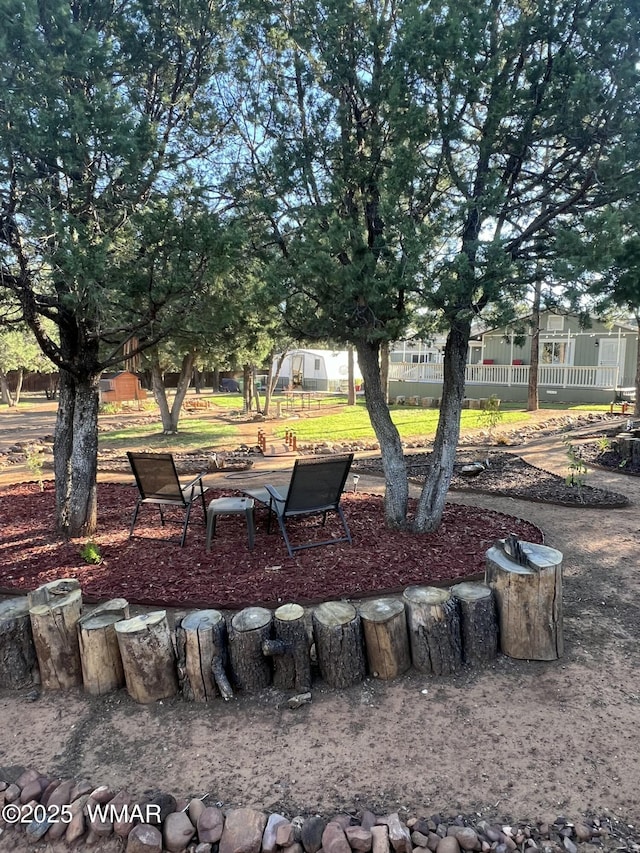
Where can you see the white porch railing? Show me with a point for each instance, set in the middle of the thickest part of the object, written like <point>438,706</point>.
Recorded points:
<point>558,375</point>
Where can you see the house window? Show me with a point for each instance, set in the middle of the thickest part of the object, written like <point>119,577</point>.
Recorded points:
<point>554,352</point>
<point>316,364</point>
<point>555,323</point>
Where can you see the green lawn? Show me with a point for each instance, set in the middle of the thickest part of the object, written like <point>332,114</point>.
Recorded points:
<point>352,422</point>
<point>209,433</point>
<point>194,434</point>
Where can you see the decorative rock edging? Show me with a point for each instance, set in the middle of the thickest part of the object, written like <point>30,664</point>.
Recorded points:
<point>75,812</point>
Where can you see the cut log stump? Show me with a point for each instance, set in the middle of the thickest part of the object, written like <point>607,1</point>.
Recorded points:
<point>433,618</point>
<point>528,600</point>
<point>18,661</point>
<point>386,637</point>
<point>250,628</point>
<point>102,669</point>
<point>337,629</point>
<point>148,657</point>
<point>478,622</point>
<point>201,639</point>
<point>290,649</point>
<point>54,610</point>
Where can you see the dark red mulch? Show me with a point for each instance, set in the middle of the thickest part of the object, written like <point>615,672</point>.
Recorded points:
<point>156,571</point>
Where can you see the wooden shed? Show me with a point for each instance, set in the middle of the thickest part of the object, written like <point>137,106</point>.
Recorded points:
<point>121,387</point>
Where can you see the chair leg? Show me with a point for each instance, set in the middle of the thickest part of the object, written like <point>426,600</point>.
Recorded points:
<point>184,528</point>
<point>211,528</point>
<point>133,522</point>
<point>344,524</point>
<point>250,528</point>
<point>204,507</point>
<point>286,538</point>
<point>161,514</point>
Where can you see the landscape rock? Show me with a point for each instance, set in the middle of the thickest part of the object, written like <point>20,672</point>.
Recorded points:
<point>210,824</point>
<point>144,838</point>
<point>243,830</point>
<point>177,832</point>
<point>333,839</point>
<point>311,836</point>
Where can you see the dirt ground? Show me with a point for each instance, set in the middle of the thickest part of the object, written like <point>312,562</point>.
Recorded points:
<point>519,740</point>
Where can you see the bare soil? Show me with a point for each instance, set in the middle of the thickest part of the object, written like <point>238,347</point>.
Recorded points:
<point>518,740</point>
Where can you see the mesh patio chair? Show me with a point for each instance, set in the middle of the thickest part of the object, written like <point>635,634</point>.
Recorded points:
<point>158,483</point>
<point>315,488</point>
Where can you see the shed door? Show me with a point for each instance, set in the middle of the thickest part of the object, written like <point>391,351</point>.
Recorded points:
<point>608,351</point>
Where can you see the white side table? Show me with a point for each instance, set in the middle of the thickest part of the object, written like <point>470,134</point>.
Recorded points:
<point>230,506</point>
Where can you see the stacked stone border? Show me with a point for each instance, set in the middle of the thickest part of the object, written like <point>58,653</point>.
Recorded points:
<point>76,813</point>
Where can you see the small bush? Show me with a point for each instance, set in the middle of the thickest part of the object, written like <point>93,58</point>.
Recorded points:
<point>90,553</point>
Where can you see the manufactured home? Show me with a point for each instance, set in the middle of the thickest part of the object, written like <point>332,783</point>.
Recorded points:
<point>316,370</point>
<point>576,364</point>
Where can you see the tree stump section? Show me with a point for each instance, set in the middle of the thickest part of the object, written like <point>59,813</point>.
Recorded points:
<point>102,669</point>
<point>434,629</point>
<point>201,640</point>
<point>528,600</point>
<point>478,622</point>
<point>290,650</point>
<point>337,629</point>
<point>148,657</point>
<point>386,637</point>
<point>250,628</point>
<point>18,661</point>
<point>54,610</point>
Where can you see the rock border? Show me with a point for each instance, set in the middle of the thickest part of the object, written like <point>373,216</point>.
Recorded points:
<point>76,812</point>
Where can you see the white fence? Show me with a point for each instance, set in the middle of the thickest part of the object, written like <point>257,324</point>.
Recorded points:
<point>557,375</point>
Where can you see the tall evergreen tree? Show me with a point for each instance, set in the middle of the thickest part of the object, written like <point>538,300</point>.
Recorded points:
<point>416,157</point>
<point>106,113</point>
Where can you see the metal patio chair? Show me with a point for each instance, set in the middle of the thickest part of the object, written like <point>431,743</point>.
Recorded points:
<point>158,483</point>
<point>315,488</point>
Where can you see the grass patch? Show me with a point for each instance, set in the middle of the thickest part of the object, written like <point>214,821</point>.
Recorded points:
<point>195,434</point>
<point>352,423</point>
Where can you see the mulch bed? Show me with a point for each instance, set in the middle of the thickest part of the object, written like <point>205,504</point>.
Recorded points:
<point>510,476</point>
<point>152,569</point>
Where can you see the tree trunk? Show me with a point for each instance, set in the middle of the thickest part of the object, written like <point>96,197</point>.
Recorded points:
<point>337,629</point>
<point>290,649</point>
<point>272,380</point>
<point>75,452</point>
<point>18,662</point>
<point>433,618</point>
<point>215,382</point>
<point>384,621</point>
<point>170,417</point>
<point>247,390</point>
<point>102,669</point>
<point>5,392</point>
<point>19,381</point>
<point>351,382</point>
<point>384,370</point>
<point>256,390</point>
<point>249,629</point>
<point>636,407</point>
<point>529,601</point>
<point>534,360</point>
<point>431,503</point>
<point>396,494</point>
<point>184,380</point>
<point>478,622</point>
<point>201,640</point>
<point>54,610</point>
<point>148,656</point>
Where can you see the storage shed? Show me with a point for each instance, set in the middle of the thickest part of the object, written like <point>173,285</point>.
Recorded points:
<point>121,387</point>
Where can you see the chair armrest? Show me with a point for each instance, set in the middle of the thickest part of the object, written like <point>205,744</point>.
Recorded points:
<point>275,494</point>
<point>195,480</point>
